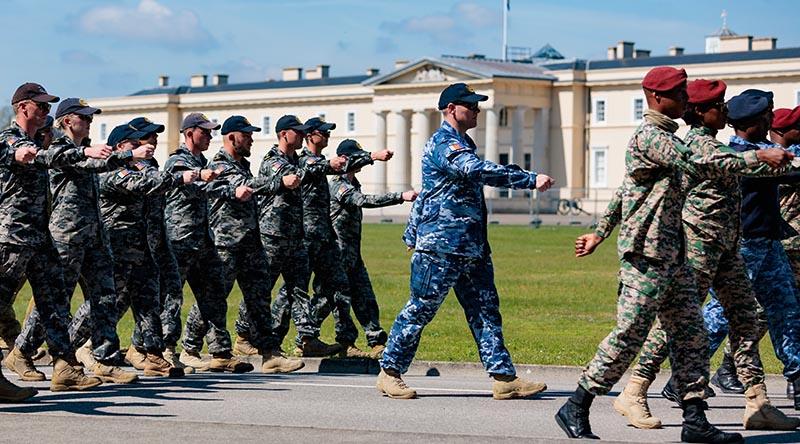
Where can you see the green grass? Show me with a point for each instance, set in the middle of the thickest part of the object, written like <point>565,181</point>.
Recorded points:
<point>556,308</point>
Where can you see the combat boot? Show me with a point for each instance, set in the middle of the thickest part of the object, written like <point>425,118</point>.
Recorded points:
<point>112,373</point>
<point>670,392</point>
<point>169,356</point>
<point>135,358</point>
<point>226,362</point>
<point>696,427</point>
<point>759,414</point>
<point>510,386</point>
<point>156,365</point>
<point>632,404</point>
<point>725,377</point>
<point>796,386</point>
<point>12,393</point>
<point>349,350</point>
<point>392,385</point>
<point>194,361</point>
<point>242,346</point>
<point>377,351</point>
<point>84,355</point>
<point>7,343</point>
<point>275,361</point>
<point>789,390</point>
<point>23,366</point>
<point>66,377</point>
<point>314,348</point>
<point>573,416</point>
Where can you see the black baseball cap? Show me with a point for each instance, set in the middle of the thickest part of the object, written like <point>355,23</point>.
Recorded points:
<point>123,132</point>
<point>348,147</point>
<point>319,124</point>
<point>238,123</point>
<point>290,122</point>
<point>32,91</point>
<point>146,125</point>
<point>74,105</point>
<point>460,92</point>
<point>198,120</point>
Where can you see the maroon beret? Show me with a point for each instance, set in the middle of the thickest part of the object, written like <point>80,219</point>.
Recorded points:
<point>664,78</point>
<point>704,91</point>
<point>785,117</point>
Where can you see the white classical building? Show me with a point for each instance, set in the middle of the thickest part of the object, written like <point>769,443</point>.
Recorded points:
<point>569,118</point>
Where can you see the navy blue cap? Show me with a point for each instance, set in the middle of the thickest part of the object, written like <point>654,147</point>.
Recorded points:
<point>460,92</point>
<point>745,106</point>
<point>198,120</point>
<point>74,105</point>
<point>348,147</point>
<point>146,125</point>
<point>238,123</point>
<point>123,132</point>
<point>758,93</point>
<point>319,124</point>
<point>290,122</point>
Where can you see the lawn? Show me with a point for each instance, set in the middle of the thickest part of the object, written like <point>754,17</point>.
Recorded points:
<point>556,308</point>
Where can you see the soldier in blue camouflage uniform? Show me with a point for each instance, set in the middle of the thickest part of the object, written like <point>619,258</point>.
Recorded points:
<point>448,230</point>
<point>233,217</point>
<point>25,243</point>
<point>655,279</point>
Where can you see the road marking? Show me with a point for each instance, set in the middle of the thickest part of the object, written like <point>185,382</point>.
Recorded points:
<point>427,389</point>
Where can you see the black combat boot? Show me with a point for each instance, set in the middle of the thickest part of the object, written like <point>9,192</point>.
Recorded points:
<point>725,378</point>
<point>696,427</point>
<point>573,416</point>
<point>670,392</point>
<point>789,390</point>
<point>795,391</point>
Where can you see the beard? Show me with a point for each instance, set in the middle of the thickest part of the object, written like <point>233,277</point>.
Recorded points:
<point>243,151</point>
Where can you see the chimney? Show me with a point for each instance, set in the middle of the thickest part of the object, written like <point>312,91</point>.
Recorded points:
<point>373,71</point>
<point>641,53</point>
<point>675,51</point>
<point>472,55</point>
<point>219,79</point>
<point>198,80</point>
<point>612,52</point>
<point>292,74</point>
<point>624,50</point>
<point>163,81</point>
<point>320,72</point>
<point>400,63</point>
<point>735,43</point>
<point>765,43</point>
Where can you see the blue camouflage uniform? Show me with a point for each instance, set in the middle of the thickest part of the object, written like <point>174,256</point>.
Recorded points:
<point>447,227</point>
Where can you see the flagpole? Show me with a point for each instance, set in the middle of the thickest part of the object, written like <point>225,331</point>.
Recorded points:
<point>505,30</point>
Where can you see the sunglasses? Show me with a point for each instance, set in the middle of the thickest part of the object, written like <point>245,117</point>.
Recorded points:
<point>721,106</point>
<point>470,106</point>
<point>325,134</point>
<point>88,118</point>
<point>44,106</point>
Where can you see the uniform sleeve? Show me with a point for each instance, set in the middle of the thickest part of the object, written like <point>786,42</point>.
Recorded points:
<point>55,157</point>
<point>355,198</point>
<point>410,233</point>
<point>317,168</point>
<point>464,163</point>
<point>611,216</point>
<point>147,184</point>
<point>358,160</point>
<point>118,159</point>
<point>270,176</point>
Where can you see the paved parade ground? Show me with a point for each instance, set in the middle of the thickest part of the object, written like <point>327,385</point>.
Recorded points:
<point>335,401</point>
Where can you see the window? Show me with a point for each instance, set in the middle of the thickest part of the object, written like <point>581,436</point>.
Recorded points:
<point>214,133</point>
<point>351,122</point>
<point>797,98</point>
<point>527,162</point>
<point>103,131</point>
<point>598,164</point>
<point>265,125</point>
<point>503,117</point>
<point>600,111</point>
<point>638,109</point>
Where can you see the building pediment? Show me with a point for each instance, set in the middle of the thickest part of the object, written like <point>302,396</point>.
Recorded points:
<point>422,71</point>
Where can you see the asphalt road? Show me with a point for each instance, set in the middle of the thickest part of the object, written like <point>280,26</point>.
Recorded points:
<point>454,405</point>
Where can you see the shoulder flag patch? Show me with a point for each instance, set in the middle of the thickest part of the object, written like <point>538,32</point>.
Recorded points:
<point>141,164</point>
<point>311,159</point>
<point>276,166</point>
<point>123,172</point>
<point>12,140</point>
<point>181,163</point>
<point>455,146</point>
<point>223,167</point>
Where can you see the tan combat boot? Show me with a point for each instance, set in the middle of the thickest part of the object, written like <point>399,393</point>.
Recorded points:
<point>84,355</point>
<point>391,384</point>
<point>509,386</point>
<point>156,365</point>
<point>314,348</point>
<point>112,373</point>
<point>759,414</point>
<point>169,356</point>
<point>66,377</point>
<point>275,361</point>
<point>226,362</point>
<point>242,346</point>
<point>194,361</point>
<point>632,404</point>
<point>377,351</point>
<point>12,393</point>
<point>23,366</point>
<point>7,343</point>
<point>349,350</point>
<point>135,358</point>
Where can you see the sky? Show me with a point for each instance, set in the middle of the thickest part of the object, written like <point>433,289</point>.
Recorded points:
<point>109,48</point>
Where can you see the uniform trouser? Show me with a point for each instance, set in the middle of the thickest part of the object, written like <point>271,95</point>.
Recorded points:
<point>170,295</point>
<point>9,325</point>
<point>203,269</point>
<point>246,264</point>
<point>365,304</point>
<point>724,269</point>
<point>472,279</point>
<point>650,289</point>
<point>717,324</point>
<point>794,262</point>
<point>46,276</point>
<point>331,289</point>
<point>287,258</point>
<point>95,264</point>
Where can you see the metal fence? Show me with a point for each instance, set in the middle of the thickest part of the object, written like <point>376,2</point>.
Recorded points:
<point>557,206</point>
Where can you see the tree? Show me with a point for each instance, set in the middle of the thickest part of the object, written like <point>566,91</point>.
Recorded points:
<point>6,116</point>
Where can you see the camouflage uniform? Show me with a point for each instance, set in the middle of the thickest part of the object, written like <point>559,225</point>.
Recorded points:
<point>447,227</point>
<point>77,232</point>
<point>198,261</point>
<point>25,243</point>
<point>235,227</point>
<point>655,279</point>
<point>790,212</point>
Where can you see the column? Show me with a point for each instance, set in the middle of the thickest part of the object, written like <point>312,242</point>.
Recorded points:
<point>401,161</point>
<point>517,125</point>
<point>379,168</point>
<point>541,141</point>
<point>490,147</point>
<point>422,124</point>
